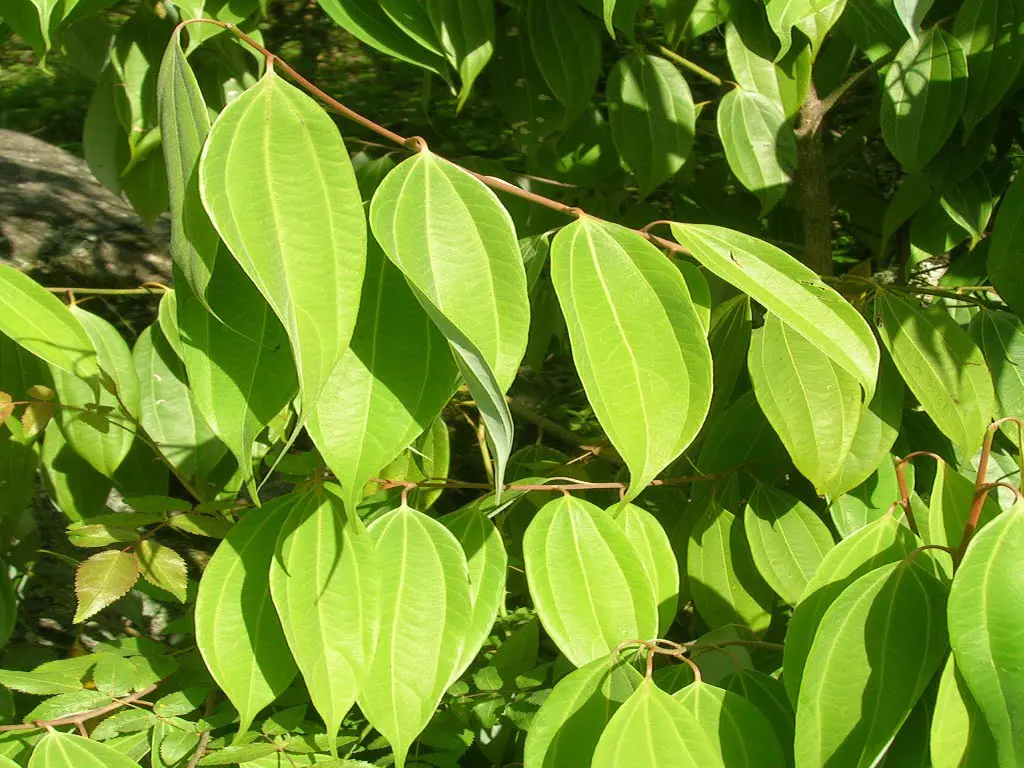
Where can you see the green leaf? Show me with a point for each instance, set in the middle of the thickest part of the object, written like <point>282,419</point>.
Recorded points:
<point>991,32</point>
<point>877,646</point>
<point>162,567</point>
<point>567,50</point>
<point>729,339</point>
<point>425,619</point>
<point>309,267</point>
<point>114,675</point>
<point>812,403</point>
<point>637,342</point>
<point>812,17</point>
<point>389,386</point>
<point>969,202</point>
<point>167,319</point>
<point>759,144</point>
<point>587,581</point>
<point>412,18</point>
<point>787,540</point>
<point>740,735</point>
<point>924,94</point>
<point>101,580</point>
<point>873,546</point>
<point>466,29</point>
<point>37,320</point>
<point>870,500</point>
<point>911,13</point>
<point>97,535</point>
<point>456,246</point>
<point>942,366</point>
<point>790,290</point>
<point>1005,247</point>
<point>960,737</point>
<point>565,732</point>
<point>985,606</point>
<point>1000,336</point>
<point>239,636</point>
<point>78,490</point>
<point>654,549</point>
<point>63,750</point>
<point>652,118</point>
<point>184,126</point>
<point>950,504</point>
<point>325,583</point>
<point>652,728</point>
<point>488,570</point>
<point>768,694</point>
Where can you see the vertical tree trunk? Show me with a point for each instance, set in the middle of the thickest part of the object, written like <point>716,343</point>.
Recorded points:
<point>812,174</point>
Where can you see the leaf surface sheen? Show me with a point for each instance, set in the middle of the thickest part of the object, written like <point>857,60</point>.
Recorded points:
<point>738,732</point>
<point>65,750</point>
<point>960,737</point>
<point>654,549</point>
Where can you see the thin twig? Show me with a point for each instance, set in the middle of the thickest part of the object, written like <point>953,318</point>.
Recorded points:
<point>147,289</point>
<point>204,742</point>
<point>81,717</point>
<point>682,61</point>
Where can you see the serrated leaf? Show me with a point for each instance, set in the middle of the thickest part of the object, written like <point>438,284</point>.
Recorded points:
<point>587,581</point>
<point>325,583</point>
<point>652,117</point>
<point>740,736</point>
<point>1007,240</point>
<point>654,549</point>
<point>877,646</point>
<point>985,605</point>
<point>98,535</point>
<point>439,225</point>
<point>163,567</point>
<point>466,31</point>
<point>125,721</point>
<point>426,608</point>
<point>63,750</point>
<point>942,366</point>
<point>309,268</point>
<point>991,32</point>
<point>66,704</point>
<point>239,637</point>
<point>238,754</point>
<point>40,684</point>
<point>923,97</point>
<point>103,579</point>
<point>567,50</point>
<point>960,737</point>
<point>637,342</point>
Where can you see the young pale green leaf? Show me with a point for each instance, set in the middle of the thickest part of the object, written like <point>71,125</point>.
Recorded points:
<point>425,619</point>
<point>325,583</point>
<point>652,117</point>
<point>960,737</point>
<point>237,630</point>
<point>875,651</point>
<point>942,366</point>
<point>102,579</point>
<point>654,549</point>
<point>273,151</point>
<point>457,247</point>
<point>637,341</point>
<point>759,144</point>
<point>991,32</point>
<point>488,570</point>
<point>1001,338</point>
<point>37,320</point>
<point>162,567</point>
<point>724,582</point>
<point>790,290</point>
<point>985,606</point>
<point>873,546</point>
<point>389,386</point>
<point>949,506</point>
<point>101,435</point>
<point>812,17</point>
<point>923,97</point>
<point>588,584</point>
<point>566,730</point>
<point>412,18</point>
<point>466,30</point>
<point>78,490</point>
<point>768,694</point>
<point>739,734</point>
<point>652,728</point>
<point>1005,247</point>
<point>787,540</point>
<point>184,126</point>
<point>567,50</point>
<point>64,750</point>
<point>812,403</point>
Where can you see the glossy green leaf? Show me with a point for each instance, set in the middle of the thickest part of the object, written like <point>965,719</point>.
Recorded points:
<point>162,567</point>
<point>389,386</point>
<point>78,490</point>
<point>870,500</point>
<point>985,606</point>
<point>586,579</point>
<point>274,151</point>
<point>991,32</point>
<point>567,49</point>
<point>637,342</point>
<point>960,737</point>
<point>102,579</point>
<point>768,694</point>
<point>924,94</point>
<point>787,540</point>
<point>759,144</point>
<point>729,339</point>
<point>699,290</point>
<point>874,652</point>
<point>654,549</point>
<point>566,730</point>
<point>942,366</point>
<point>466,30</point>
<point>811,402</point>
<point>1000,335</point>
<point>456,246</point>
<point>652,728</point>
<point>237,630</point>
<point>790,290</point>
<point>64,750</point>
<point>325,583</point>
<point>412,18</point>
<point>37,320</point>
<point>740,736</point>
<point>873,546</point>
<point>969,203</point>
<point>425,619</point>
<point>1005,247</point>
<point>652,117</point>
<point>949,506</point>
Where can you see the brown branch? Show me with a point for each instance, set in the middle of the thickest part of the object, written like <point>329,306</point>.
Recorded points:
<point>79,719</point>
<point>204,742</point>
<point>975,516</point>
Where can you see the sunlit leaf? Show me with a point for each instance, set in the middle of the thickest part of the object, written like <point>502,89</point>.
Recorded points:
<point>64,750</point>
<point>102,579</point>
<point>652,545</point>
<point>162,567</point>
<point>466,31</point>
<point>960,737</point>
<point>1005,246</point>
<point>740,736</point>
<point>991,32</point>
